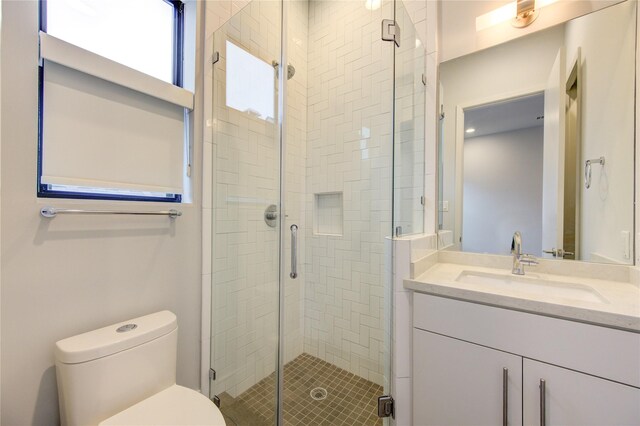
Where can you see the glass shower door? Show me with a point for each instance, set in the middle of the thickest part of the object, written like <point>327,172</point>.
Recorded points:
<point>246,208</point>
<point>338,190</point>
<point>409,128</point>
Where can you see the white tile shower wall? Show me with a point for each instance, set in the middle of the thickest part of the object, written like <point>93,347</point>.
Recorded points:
<point>349,150</point>
<point>245,154</point>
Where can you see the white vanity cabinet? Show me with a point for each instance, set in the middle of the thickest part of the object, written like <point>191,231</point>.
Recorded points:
<point>460,350</point>
<point>459,383</point>
<point>576,399</point>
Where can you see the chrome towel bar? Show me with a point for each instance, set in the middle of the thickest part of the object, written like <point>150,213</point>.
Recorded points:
<point>587,170</point>
<point>51,212</point>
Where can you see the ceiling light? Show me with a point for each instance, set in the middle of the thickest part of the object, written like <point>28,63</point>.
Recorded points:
<point>470,130</point>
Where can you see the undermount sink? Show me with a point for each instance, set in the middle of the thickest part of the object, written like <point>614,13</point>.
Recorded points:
<point>533,285</point>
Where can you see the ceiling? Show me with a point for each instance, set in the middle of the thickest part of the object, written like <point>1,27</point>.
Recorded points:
<point>505,116</point>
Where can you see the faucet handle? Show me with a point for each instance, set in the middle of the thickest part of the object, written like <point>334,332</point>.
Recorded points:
<point>516,242</point>
<point>558,252</point>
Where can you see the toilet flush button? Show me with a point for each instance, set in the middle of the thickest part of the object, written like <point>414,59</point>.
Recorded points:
<point>126,327</point>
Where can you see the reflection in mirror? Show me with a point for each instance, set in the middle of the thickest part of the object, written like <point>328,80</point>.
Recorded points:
<point>537,136</point>
<point>502,179</point>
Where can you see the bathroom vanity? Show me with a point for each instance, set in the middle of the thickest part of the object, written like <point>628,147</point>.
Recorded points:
<point>546,348</point>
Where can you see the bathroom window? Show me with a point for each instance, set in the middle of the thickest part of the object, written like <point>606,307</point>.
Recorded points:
<point>113,113</point>
<point>139,34</point>
<point>250,83</point>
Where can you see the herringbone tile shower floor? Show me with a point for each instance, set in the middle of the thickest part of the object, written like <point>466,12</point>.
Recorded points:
<point>351,400</point>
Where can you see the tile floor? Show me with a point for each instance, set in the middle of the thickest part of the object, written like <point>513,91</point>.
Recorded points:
<point>350,400</point>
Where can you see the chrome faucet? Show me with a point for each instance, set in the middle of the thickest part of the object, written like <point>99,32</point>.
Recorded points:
<point>520,259</point>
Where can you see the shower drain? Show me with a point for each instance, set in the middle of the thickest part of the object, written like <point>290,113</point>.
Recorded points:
<point>318,393</point>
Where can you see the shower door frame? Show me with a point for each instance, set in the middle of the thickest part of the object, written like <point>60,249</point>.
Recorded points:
<point>284,232</point>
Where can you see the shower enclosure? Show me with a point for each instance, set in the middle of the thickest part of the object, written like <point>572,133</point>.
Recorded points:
<point>318,161</point>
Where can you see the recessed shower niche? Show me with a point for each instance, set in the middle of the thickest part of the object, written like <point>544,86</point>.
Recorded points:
<point>327,212</point>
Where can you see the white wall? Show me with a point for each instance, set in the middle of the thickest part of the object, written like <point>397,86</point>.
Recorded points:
<point>607,128</point>
<point>519,66</point>
<point>503,191</point>
<point>73,274</point>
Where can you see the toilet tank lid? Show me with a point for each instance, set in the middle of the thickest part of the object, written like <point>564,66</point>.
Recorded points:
<point>114,338</point>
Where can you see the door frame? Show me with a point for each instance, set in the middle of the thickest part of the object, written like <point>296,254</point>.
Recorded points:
<point>459,148</point>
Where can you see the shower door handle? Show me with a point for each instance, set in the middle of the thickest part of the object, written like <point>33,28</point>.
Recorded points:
<point>294,251</point>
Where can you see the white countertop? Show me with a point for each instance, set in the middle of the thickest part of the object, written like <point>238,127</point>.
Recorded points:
<point>619,307</point>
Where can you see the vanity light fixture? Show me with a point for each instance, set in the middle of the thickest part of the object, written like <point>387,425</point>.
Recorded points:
<point>526,13</point>
<point>521,13</point>
<point>470,130</point>
<point>372,4</point>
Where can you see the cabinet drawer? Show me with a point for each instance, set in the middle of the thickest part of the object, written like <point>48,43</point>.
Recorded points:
<point>601,351</point>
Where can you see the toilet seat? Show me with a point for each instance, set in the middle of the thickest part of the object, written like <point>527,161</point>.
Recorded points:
<point>175,405</point>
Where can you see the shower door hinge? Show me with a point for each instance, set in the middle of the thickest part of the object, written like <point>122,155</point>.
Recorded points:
<point>385,406</point>
<point>422,200</point>
<point>216,57</point>
<point>212,374</point>
<point>216,400</point>
<point>391,31</point>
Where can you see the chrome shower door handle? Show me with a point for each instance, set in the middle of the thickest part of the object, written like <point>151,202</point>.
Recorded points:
<point>294,251</point>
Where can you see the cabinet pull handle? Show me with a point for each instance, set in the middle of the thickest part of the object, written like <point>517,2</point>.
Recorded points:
<point>505,396</point>
<point>543,402</point>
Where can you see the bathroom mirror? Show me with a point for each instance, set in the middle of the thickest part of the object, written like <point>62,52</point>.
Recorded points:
<point>537,135</point>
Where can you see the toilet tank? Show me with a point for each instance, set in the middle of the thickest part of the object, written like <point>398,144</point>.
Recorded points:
<point>105,371</point>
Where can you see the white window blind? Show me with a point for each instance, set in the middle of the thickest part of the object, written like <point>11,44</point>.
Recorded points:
<point>100,134</point>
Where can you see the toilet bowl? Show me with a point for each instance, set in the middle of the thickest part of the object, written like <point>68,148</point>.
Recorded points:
<point>125,374</point>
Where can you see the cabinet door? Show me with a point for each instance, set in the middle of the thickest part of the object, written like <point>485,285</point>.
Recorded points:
<point>573,398</point>
<point>460,383</point>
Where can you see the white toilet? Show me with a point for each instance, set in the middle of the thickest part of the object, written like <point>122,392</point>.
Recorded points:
<point>125,374</point>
